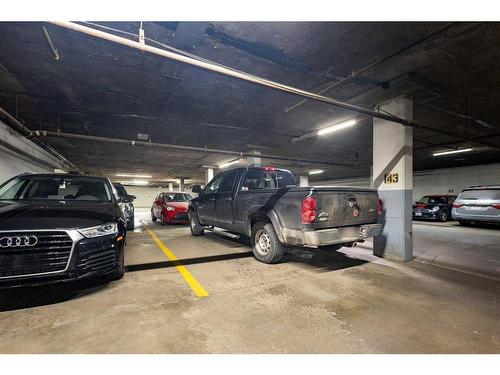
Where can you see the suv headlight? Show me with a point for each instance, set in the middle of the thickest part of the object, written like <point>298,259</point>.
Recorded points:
<point>99,230</point>
<point>170,208</point>
<point>435,208</point>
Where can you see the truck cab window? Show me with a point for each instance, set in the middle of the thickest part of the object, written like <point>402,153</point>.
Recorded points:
<point>213,186</point>
<point>228,182</point>
<point>256,179</point>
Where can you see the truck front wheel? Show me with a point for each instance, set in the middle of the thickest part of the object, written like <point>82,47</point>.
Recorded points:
<point>265,243</point>
<point>195,226</point>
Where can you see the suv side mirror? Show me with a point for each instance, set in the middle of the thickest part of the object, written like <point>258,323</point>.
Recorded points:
<point>196,189</point>
<point>127,198</point>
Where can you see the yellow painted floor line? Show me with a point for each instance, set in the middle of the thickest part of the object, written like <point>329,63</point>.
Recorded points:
<point>188,277</point>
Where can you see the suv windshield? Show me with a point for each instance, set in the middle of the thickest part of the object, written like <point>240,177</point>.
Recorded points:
<point>177,197</point>
<point>33,187</point>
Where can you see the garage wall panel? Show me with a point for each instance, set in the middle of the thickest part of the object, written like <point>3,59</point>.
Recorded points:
<point>145,195</point>
<point>20,155</point>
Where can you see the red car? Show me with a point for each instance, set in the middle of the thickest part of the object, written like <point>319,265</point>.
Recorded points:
<point>171,208</point>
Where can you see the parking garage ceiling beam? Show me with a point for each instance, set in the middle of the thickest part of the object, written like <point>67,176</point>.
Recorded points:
<point>218,68</point>
<point>49,133</point>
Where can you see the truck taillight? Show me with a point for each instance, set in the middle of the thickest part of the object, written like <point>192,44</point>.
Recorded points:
<point>457,205</point>
<point>308,210</point>
<point>380,207</point>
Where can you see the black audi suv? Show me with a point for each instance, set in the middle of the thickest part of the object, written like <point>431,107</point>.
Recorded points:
<point>59,228</point>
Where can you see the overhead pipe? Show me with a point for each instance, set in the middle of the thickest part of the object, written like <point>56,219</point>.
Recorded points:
<point>218,68</point>
<point>209,65</point>
<point>11,121</point>
<point>50,133</point>
<point>53,49</point>
<point>14,123</point>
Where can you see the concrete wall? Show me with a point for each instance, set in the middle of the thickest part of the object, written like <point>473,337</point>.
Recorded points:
<point>439,181</point>
<point>146,195</point>
<point>20,155</point>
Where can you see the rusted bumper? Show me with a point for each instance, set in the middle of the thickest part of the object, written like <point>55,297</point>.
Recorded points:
<point>331,236</point>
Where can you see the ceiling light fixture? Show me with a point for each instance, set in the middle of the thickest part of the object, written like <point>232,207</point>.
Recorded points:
<point>452,152</point>
<point>336,127</point>
<point>135,182</point>
<point>225,165</point>
<point>133,175</point>
<point>140,182</point>
<point>316,171</point>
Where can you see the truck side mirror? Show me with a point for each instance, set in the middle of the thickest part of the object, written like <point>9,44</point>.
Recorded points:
<point>196,189</point>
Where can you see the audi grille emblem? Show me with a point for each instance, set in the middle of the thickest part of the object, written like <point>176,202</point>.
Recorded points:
<point>18,241</point>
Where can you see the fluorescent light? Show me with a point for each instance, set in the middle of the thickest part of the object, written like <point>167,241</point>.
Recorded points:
<point>334,128</point>
<point>452,152</point>
<point>134,182</point>
<point>229,163</point>
<point>316,171</point>
<point>133,175</point>
<point>140,182</point>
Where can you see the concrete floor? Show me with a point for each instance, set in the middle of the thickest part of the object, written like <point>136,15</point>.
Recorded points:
<point>313,302</point>
<point>475,250</point>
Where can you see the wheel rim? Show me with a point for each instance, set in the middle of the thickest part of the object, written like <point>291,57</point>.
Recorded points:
<point>262,242</point>
<point>444,216</point>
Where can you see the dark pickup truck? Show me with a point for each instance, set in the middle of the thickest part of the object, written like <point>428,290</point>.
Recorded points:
<point>265,204</point>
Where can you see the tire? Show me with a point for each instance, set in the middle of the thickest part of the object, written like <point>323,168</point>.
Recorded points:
<point>153,218</point>
<point>265,243</point>
<point>195,226</point>
<point>332,248</point>
<point>120,271</point>
<point>130,223</point>
<point>443,216</point>
<point>162,219</point>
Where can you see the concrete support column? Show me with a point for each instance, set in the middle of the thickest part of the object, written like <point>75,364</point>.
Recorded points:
<point>181,184</point>
<point>303,181</point>
<point>170,186</point>
<point>209,174</point>
<point>254,161</point>
<point>392,175</point>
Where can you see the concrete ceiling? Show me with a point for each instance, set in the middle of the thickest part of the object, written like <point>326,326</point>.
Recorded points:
<point>101,89</point>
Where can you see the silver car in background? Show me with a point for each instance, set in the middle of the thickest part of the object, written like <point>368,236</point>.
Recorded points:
<point>477,204</point>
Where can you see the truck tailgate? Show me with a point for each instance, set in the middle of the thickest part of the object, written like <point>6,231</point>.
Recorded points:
<point>344,206</point>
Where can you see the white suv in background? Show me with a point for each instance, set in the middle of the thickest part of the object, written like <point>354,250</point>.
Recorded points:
<point>477,204</point>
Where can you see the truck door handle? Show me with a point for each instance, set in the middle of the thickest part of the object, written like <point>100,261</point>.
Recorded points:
<point>211,199</point>
<point>228,199</point>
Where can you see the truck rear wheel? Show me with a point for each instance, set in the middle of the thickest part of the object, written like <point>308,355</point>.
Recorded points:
<point>195,226</point>
<point>265,243</point>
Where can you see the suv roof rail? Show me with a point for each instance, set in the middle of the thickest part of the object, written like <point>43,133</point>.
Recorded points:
<point>484,186</point>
